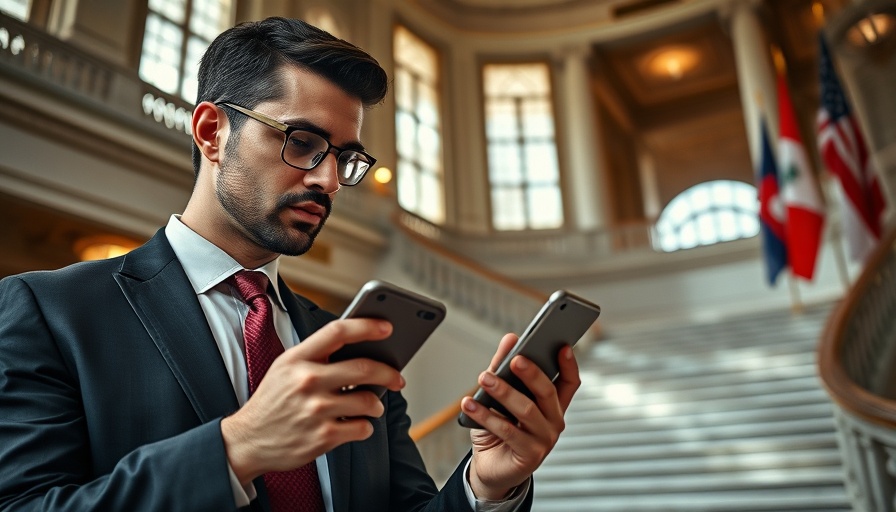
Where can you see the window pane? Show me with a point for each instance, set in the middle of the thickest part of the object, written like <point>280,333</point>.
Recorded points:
<point>195,48</point>
<point>538,120</point>
<point>406,135</point>
<point>504,164</point>
<point>404,90</point>
<point>430,148</point>
<point>407,186</point>
<point>541,163</point>
<point>159,64</point>
<point>427,105</point>
<point>508,211</point>
<point>209,18</point>
<point>545,207</point>
<point>431,205</point>
<point>174,10</point>
<point>16,8</point>
<point>501,120</point>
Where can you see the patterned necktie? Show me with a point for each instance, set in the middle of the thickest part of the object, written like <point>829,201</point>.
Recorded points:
<point>299,489</point>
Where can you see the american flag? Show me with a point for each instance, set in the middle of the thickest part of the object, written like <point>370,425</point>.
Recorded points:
<point>844,153</point>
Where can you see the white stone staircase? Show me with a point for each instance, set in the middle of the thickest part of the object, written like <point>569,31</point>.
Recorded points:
<point>723,416</point>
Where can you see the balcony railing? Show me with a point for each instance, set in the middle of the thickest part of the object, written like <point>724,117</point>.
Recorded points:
<point>44,63</point>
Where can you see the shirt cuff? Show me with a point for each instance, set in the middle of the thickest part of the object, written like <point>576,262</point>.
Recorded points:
<point>511,503</point>
<point>242,496</point>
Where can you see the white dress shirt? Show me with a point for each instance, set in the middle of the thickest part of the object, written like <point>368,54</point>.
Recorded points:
<point>207,267</point>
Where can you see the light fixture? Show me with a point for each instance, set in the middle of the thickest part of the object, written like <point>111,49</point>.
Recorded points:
<point>98,247</point>
<point>672,61</point>
<point>383,175</point>
<point>871,30</point>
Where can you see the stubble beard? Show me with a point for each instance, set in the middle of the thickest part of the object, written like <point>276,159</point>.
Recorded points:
<point>245,205</point>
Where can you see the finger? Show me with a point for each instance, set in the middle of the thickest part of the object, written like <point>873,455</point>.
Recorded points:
<point>504,347</point>
<point>356,404</point>
<point>569,380</point>
<point>351,373</point>
<point>338,333</point>
<point>543,391</point>
<point>525,410</point>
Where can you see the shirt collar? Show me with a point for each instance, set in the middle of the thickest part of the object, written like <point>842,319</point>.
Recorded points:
<point>205,264</point>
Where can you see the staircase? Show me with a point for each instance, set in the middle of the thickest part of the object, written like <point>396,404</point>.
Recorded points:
<point>727,416</point>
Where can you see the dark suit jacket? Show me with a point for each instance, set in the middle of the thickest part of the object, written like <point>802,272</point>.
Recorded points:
<point>112,391</point>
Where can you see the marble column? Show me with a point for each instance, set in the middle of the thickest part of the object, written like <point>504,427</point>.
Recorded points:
<point>584,187</point>
<point>755,74</point>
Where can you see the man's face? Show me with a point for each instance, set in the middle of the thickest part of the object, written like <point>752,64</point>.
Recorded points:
<point>278,208</point>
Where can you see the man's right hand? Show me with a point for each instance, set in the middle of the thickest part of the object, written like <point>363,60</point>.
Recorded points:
<point>299,410</point>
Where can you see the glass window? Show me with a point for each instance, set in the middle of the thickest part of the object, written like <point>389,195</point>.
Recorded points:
<point>418,130</point>
<point>708,213</point>
<point>16,8</point>
<point>523,169</point>
<point>177,32</point>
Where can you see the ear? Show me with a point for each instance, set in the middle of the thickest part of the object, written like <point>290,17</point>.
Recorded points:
<point>209,125</point>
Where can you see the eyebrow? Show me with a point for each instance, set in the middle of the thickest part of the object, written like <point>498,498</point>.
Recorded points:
<point>308,126</point>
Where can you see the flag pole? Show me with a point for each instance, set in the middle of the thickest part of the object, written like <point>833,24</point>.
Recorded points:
<point>837,240</point>
<point>796,303</point>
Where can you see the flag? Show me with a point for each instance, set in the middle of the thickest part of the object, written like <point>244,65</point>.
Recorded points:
<point>844,153</point>
<point>772,215</point>
<point>805,211</point>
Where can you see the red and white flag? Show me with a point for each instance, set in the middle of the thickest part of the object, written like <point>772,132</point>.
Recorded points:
<point>799,189</point>
<point>846,157</point>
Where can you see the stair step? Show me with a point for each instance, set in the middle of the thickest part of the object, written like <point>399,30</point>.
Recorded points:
<point>813,499</point>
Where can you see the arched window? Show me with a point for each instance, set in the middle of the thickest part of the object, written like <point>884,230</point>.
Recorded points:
<point>176,35</point>
<point>708,213</point>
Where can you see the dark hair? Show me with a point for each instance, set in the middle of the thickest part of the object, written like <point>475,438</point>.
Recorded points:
<point>241,65</point>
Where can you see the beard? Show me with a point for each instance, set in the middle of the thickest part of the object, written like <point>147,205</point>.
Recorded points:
<point>244,202</point>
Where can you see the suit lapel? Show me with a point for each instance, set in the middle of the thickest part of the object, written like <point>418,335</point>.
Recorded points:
<point>307,318</point>
<point>157,288</point>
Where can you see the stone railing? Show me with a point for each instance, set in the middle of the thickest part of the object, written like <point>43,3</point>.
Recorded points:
<point>528,245</point>
<point>856,363</point>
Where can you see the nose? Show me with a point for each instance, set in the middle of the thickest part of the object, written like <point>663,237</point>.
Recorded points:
<point>324,177</point>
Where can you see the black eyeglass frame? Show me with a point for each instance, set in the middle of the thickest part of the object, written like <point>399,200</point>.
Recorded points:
<point>287,130</point>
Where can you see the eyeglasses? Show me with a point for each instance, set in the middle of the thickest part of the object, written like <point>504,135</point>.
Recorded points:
<point>306,150</point>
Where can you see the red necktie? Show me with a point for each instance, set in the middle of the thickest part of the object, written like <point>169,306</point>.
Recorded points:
<point>299,489</point>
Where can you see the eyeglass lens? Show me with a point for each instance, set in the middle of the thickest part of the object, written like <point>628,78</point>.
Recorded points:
<point>306,149</point>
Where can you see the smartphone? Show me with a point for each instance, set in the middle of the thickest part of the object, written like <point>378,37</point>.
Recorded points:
<point>562,320</point>
<point>413,316</point>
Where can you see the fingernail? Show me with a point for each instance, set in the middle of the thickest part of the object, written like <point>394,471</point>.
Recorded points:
<point>470,405</point>
<point>403,382</point>
<point>522,364</point>
<point>487,379</point>
<point>568,353</point>
<point>385,327</point>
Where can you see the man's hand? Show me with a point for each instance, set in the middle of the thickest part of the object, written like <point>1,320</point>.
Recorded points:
<point>505,454</point>
<point>299,410</point>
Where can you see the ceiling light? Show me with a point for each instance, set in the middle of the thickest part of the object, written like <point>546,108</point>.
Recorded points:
<point>871,29</point>
<point>673,61</point>
<point>383,175</point>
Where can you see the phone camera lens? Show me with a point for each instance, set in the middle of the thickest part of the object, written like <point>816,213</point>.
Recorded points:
<point>381,297</point>
<point>562,307</point>
<point>426,315</point>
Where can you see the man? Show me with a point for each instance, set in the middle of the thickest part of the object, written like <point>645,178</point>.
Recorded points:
<point>124,385</point>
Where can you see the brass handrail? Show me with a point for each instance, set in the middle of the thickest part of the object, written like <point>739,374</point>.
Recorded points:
<point>841,386</point>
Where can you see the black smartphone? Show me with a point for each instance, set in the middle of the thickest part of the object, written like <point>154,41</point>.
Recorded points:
<point>413,316</point>
<point>562,320</point>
